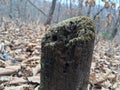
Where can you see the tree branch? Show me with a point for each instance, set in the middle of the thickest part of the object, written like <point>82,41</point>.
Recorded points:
<point>37,8</point>
<point>98,13</point>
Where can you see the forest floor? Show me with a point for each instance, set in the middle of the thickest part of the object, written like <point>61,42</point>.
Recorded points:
<point>20,46</point>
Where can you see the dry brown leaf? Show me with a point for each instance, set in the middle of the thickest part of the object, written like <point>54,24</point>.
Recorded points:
<point>47,27</point>
<point>25,72</point>
<point>35,79</point>
<point>37,69</point>
<point>92,77</point>
<point>32,62</point>
<point>3,63</point>
<point>107,5</point>
<point>22,87</point>
<point>113,4</point>
<point>90,2</point>
<point>86,3</point>
<point>16,80</point>
<point>9,70</point>
<point>98,18</point>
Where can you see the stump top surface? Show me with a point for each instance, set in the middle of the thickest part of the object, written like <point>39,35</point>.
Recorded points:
<point>70,30</point>
<point>76,21</point>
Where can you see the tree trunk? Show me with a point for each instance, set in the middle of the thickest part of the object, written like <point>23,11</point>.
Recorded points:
<point>80,5</point>
<point>66,55</point>
<point>58,12</point>
<point>115,28</point>
<point>49,18</point>
<point>89,11</point>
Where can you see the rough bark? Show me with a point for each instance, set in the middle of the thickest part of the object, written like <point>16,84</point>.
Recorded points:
<point>66,55</point>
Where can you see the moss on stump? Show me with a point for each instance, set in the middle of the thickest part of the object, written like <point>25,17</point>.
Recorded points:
<point>66,54</point>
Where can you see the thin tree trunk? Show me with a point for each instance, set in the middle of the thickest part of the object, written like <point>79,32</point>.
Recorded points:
<point>58,15</point>
<point>89,10</point>
<point>80,2</point>
<point>11,9</point>
<point>71,11</point>
<point>49,18</point>
<point>67,54</point>
<point>115,28</point>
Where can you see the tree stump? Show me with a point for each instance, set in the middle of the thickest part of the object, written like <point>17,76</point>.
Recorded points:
<point>67,54</point>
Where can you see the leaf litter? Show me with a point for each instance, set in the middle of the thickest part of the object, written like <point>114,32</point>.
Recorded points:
<point>20,46</point>
<point>19,55</point>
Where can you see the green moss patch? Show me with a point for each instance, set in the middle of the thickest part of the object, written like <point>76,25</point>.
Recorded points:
<point>70,30</point>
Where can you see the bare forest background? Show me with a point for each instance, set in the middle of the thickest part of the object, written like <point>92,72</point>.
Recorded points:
<point>105,13</point>
<point>23,23</point>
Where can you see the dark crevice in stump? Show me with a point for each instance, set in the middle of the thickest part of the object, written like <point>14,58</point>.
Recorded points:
<point>66,55</point>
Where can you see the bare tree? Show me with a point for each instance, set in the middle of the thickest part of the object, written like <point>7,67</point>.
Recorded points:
<point>115,28</point>
<point>58,15</point>
<point>50,15</point>
<point>80,2</point>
